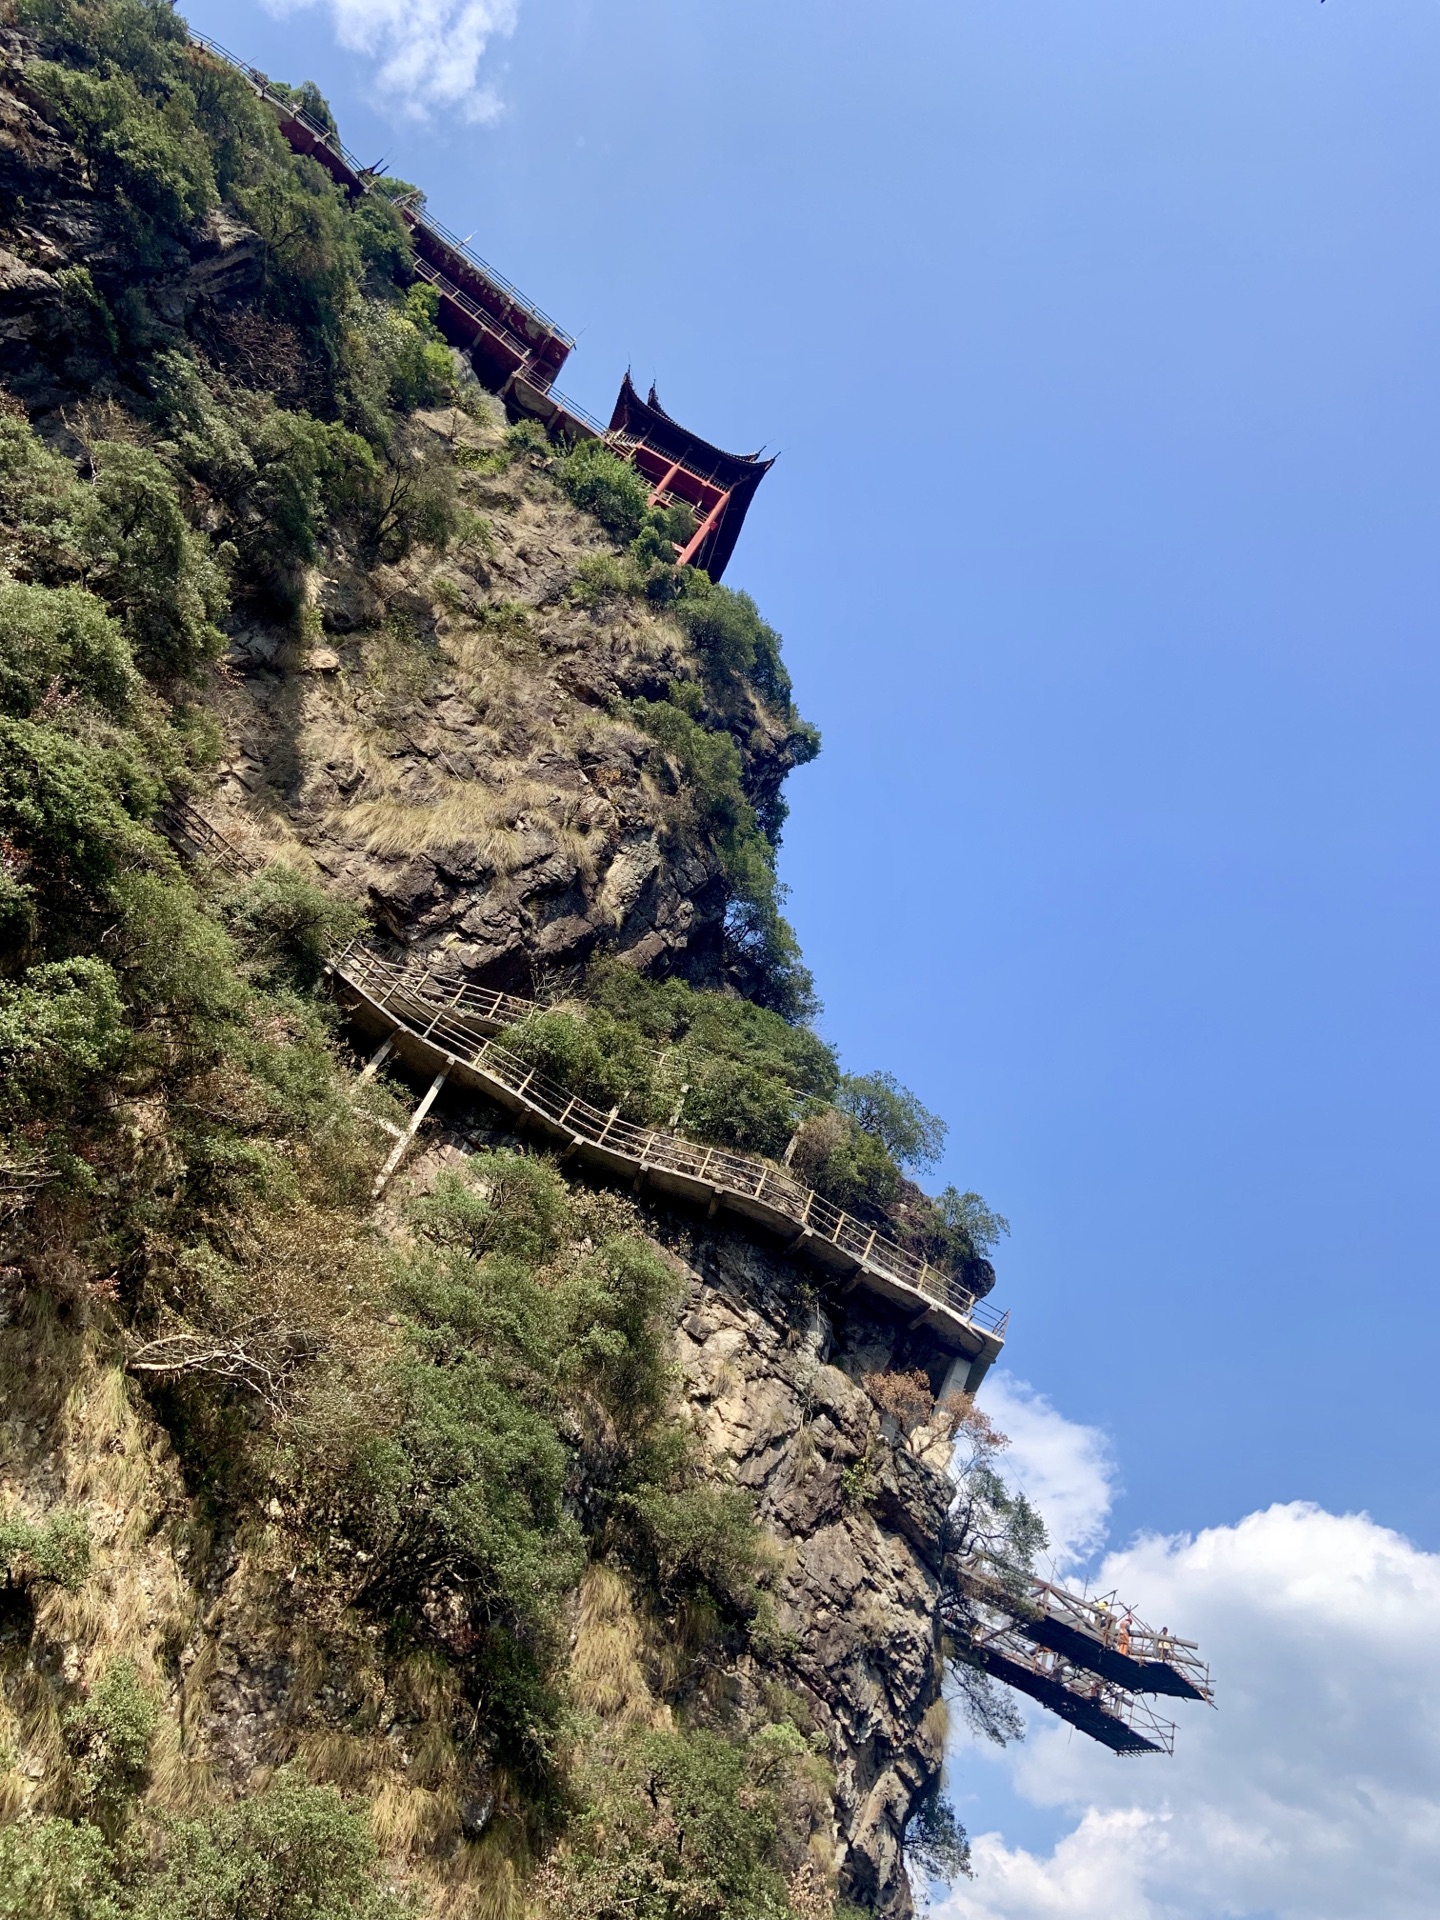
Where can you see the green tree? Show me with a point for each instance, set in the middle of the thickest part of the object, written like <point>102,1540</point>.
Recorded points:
<point>109,1737</point>
<point>911,1134</point>
<point>287,927</point>
<point>57,643</point>
<point>148,563</point>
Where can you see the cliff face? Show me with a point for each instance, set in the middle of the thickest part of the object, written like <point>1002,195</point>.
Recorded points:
<point>858,1520</point>
<point>452,738</point>
<point>454,751</point>
<point>500,815</point>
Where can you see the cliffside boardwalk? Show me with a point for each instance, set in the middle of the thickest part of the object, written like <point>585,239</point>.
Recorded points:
<point>1089,1660</point>
<point>448,1031</point>
<point>442,1029</point>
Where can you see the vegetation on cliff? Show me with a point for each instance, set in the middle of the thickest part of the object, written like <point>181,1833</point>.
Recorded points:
<point>431,1465</point>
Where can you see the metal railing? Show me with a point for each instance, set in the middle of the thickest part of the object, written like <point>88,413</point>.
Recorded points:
<point>577,412</point>
<point>453,1022</point>
<point>629,443</point>
<point>471,307</point>
<point>364,177</point>
<point>1106,1712</point>
<point>1095,1633</point>
<point>268,91</point>
<point>190,831</point>
<point>452,240</point>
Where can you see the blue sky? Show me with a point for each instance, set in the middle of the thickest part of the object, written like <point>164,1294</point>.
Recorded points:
<point>1099,344</point>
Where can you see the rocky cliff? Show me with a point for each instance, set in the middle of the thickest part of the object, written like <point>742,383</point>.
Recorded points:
<point>431,689</point>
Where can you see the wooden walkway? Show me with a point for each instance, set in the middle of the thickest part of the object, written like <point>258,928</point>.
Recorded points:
<point>450,1033</point>
<point>438,1029</point>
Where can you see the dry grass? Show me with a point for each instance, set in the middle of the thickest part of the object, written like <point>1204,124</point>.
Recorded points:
<point>350,1761</point>
<point>498,823</point>
<point>606,1667</point>
<point>935,1726</point>
<point>410,1822</point>
<point>484,1879</point>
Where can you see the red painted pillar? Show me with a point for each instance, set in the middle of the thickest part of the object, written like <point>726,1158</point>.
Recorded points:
<point>707,527</point>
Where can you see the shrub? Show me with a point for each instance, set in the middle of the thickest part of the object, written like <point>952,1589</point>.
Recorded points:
<point>733,642</point>
<point>603,484</point>
<point>593,1055</point>
<point>844,1164</point>
<point>293,1852</point>
<point>57,643</point>
<point>313,260</point>
<point>287,927</point>
<point>741,1106</point>
<point>68,806</point>
<point>38,495</point>
<point>86,322</point>
<point>53,1870</point>
<point>109,1738</point>
<point>735,1073</point>
<point>60,1028</point>
<point>54,1551</point>
<point>412,503</point>
<point>243,138</point>
<point>688,1826</point>
<point>516,1314</point>
<point>526,437</point>
<point>145,560</point>
<point>281,475</point>
<point>154,166</point>
<point>712,775</point>
<point>601,577</point>
<point>702,1535</point>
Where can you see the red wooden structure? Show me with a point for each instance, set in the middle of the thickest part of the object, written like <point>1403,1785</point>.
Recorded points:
<point>517,351</point>
<point>505,335</point>
<point>684,470</point>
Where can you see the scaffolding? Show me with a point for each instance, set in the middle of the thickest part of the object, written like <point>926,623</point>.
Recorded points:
<point>1099,1634</point>
<point>1085,1657</point>
<point>1096,1707</point>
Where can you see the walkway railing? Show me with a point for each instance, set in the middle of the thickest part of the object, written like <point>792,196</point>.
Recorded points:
<point>471,308</point>
<point>463,1022</point>
<point>363,178</point>
<point>459,1024</point>
<point>1092,1632</point>
<point>1115,1717</point>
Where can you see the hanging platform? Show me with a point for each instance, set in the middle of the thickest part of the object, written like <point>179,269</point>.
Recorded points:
<point>1099,1636</point>
<point>1093,1706</point>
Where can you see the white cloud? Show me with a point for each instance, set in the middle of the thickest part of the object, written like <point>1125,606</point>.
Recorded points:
<point>1066,1469</point>
<point>429,51</point>
<point>1313,1793</point>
